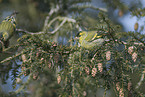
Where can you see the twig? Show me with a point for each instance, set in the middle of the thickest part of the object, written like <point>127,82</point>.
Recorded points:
<point>58,26</point>
<point>10,58</point>
<point>14,46</point>
<point>49,14</point>
<point>65,19</point>
<point>52,21</point>
<point>32,33</point>
<point>2,44</point>
<point>141,80</point>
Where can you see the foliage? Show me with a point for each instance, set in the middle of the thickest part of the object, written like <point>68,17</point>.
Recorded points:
<point>71,70</point>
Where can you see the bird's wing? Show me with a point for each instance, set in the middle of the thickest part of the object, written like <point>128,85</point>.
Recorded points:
<point>91,36</point>
<point>93,44</point>
<point>7,27</point>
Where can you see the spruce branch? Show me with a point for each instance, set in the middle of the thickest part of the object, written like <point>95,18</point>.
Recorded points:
<point>21,88</point>
<point>12,57</point>
<point>139,39</point>
<point>87,5</point>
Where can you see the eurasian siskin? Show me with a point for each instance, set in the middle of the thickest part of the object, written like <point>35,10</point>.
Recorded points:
<point>90,39</point>
<point>7,28</point>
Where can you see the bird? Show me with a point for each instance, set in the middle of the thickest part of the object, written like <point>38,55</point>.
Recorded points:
<point>7,28</point>
<point>90,39</point>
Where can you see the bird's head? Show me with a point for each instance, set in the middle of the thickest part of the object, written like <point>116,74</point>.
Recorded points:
<point>11,18</point>
<point>82,35</point>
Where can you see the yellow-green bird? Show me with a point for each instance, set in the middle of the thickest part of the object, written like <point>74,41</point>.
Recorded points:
<point>7,28</point>
<point>90,40</point>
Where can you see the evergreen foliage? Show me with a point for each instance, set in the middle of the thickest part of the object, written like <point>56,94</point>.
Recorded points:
<point>56,70</point>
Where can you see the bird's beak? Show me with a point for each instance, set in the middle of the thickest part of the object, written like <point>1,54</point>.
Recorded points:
<point>78,34</point>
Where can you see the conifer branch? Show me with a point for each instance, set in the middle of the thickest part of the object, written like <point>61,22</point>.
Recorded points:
<point>12,57</point>
<point>88,5</point>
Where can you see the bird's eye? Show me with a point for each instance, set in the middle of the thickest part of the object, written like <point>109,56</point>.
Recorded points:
<point>10,20</point>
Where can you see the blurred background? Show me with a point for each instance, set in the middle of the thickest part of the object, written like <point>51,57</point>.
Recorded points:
<point>32,14</point>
